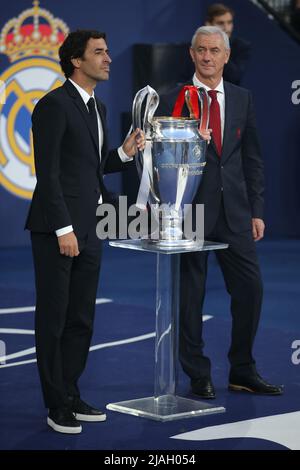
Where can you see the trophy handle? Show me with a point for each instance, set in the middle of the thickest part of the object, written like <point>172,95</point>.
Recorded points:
<point>143,124</point>
<point>204,109</point>
<point>189,105</point>
<point>143,159</point>
<point>137,122</point>
<point>192,96</point>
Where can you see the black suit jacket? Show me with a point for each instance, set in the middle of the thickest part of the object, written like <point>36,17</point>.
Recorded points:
<point>68,170</point>
<point>238,174</point>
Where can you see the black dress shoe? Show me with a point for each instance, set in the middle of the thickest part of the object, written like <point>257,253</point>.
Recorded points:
<point>63,420</point>
<point>203,388</point>
<point>85,412</point>
<point>253,383</point>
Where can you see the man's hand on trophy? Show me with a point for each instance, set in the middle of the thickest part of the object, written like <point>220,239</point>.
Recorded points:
<point>206,134</point>
<point>134,142</point>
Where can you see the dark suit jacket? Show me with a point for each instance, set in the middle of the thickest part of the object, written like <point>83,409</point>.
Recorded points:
<point>238,174</point>
<point>68,170</point>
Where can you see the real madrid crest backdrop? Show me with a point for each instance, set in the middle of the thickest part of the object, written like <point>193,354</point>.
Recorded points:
<point>32,48</point>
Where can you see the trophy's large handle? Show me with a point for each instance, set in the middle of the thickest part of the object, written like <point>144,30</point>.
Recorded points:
<point>137,122</point>
<point>150,108</point>
<point>188,95</point>
<point>143,123</point>
<point>204,109</point>
<point>192,96</point>
<point>192,101</point>
<point>143,159</point>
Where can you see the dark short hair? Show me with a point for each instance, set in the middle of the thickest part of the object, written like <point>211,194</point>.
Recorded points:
<point>217,9</point>
<point>74,46</point>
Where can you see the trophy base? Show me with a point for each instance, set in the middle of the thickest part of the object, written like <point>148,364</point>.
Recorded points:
<point>182,243</point>
<point>165,408</point>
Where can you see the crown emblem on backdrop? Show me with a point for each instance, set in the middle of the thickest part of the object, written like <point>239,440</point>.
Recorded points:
<point>34,32</point>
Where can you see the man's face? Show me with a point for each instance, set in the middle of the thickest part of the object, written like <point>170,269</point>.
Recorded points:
<point>224,22</point>
<point>209,56</point>
<point>95,62</point>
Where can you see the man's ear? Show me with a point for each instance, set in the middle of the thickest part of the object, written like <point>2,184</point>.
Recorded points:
<point>228,55</point>
<point>76,62</point>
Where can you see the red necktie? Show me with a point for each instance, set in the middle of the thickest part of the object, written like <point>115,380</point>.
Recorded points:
<point>215,120</point>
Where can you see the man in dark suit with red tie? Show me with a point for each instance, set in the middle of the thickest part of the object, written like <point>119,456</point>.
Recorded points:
<point>232,193</point>
<point>71,155</point>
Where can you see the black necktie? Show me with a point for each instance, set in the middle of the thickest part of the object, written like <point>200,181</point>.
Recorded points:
<point>93,118</point>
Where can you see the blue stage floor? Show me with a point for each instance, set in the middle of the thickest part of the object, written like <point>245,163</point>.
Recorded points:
<point>121,362</point>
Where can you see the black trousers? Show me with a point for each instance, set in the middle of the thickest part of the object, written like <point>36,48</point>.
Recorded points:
<point>66,290</point>
<point>243,282</point>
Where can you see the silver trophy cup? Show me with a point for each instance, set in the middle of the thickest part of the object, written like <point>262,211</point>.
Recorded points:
<point>171,166</point>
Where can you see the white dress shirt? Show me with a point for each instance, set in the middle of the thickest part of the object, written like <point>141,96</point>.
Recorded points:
<point>85,97</point>
<point>220,98</point>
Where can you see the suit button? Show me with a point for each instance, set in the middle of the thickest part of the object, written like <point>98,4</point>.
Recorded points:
<point>222,188</point>
<point>222,167</point>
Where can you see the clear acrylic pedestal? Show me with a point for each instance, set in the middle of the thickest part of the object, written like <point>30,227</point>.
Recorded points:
<point>165,405</point>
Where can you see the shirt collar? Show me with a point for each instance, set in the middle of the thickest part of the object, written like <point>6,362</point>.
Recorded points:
<point>84,94</point>
<point>219,88</point>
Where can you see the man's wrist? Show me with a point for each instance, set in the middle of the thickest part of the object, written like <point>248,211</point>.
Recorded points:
<point>64,230</point>
<point>123,155</point>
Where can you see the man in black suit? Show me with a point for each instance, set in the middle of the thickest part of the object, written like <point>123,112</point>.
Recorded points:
<point>221,15</point>
<point>232,193</point>
<point>71,155</point>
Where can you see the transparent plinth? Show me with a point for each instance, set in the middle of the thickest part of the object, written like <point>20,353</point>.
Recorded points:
<point>165,404</point>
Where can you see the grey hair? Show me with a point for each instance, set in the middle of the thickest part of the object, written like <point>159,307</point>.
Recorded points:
<point>207,30</point>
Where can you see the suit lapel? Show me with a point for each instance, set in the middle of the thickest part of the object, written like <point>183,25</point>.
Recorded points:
<point>83,110</point>
<point>104,151</point>
<point>228,139</point>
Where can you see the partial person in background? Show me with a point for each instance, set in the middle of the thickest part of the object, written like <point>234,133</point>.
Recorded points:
<point>221,15</point>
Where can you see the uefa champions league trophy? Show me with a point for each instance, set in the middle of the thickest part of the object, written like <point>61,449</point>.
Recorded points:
<point>171,166</point>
